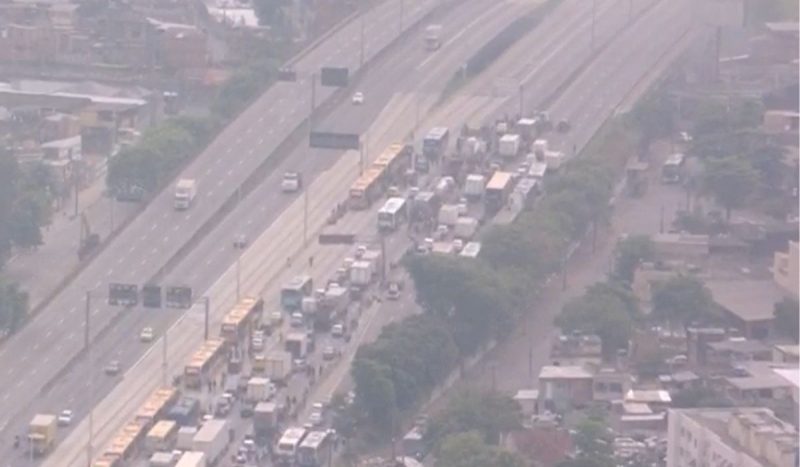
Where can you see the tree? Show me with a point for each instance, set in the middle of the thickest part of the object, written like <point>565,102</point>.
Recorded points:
<point>654,115</point>
<point>787,318</point>
<point>274,13</point>
<point>490,415</point>
<point>593,443</point>
<point>629,253</point>
<point>13,306</point>
<point>375,394</point>
<point>731,181</point>
<point>682,299</point>
<point>606,310</point>
<point>469,450</point>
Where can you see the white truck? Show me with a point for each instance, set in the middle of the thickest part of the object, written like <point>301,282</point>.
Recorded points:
<point>361,274</point>
<point>212,439</point>
<point>554,159</point>
<point>279,366</point>
<point>185,192</point>
<point>474,186</point>
<point>259,389</point>
<point>540,147</point>
<point>509,146</point>
<point>433,37</point>
<point>192,459</point>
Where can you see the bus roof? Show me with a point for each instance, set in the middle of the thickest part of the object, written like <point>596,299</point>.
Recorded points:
<point>437,132</point>
<point>499,181</point>
<point>367,178</point>
<point>388,155</point>
<point>314,439</point>
<point>292,435</point>
<point>393,205</point>
<point>156,403</point>
<point>162,429</point>
<point>240,312</point>
<point>208,350</point>
<point>674,159</point>
<point>297,282</point>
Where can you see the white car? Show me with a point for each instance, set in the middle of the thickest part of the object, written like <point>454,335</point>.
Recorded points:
<point>337,330</point>
<point>65,418</point>
<point>315,419</point>
<point>257,344</point>
<point>358,98</point>
<point>292,182</point>
<point>329,353</point>
<point>146,335</point>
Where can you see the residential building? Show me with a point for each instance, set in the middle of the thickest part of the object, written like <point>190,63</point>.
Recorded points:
<point>564,387</point>
<point>783,353</point>
<point>611,384</point>
<point>756,383</point>
<point>792,375</point>
<point>733,350</point>
<point>785,269</point>
<point>730,437</point>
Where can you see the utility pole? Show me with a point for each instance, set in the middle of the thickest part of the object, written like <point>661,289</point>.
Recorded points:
<point>521,99</point>
<point>164,370</point>
<point>207,303</point>
<point>89,378</point>
<point>594,18</point>
<point>238,274</point>
<point>361,55</point>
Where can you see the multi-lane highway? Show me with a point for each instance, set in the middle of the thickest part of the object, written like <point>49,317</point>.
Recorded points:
<point>33,357</point>
<point>480,19</point>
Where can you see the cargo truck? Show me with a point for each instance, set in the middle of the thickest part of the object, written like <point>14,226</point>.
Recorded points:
<point>42,433</point>
<point>185,192</point>
<point>211,439</point>
<point>509,146</point>
<point>192,459</point>
<point>259,389</point>
<point>278,367</point>
<point>554,159</point>
<point>474,186</point>
<point>265,419</point>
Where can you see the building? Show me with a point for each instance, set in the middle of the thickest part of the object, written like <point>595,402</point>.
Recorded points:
<point>563,387</point>
<point>728,352</point>
<point>731,437</point>
<point>784,269</point>
<point>792,375</point>
<point>611,384</point>
<point>748,303</point>
<point>786,353</point>
<point>756,383</point>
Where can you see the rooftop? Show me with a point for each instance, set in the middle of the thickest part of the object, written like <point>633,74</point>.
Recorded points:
<point>741,346</point>
<point>564,372</point>
<point>792,375</point>
<point>648,396</point>
<point>749,300</point>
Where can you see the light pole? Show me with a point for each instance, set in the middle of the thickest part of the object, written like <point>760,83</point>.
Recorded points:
<point>594,17</point>
<point>521,99</point>
<point>361,55</point>
<point>89,375</point>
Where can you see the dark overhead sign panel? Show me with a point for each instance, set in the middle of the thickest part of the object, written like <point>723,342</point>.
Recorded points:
<point>178,297</point>
<point>151,296</point>
<point>335,77</point>
<point>286,74</point>
<point>123,294</point>
<point>328,140</point>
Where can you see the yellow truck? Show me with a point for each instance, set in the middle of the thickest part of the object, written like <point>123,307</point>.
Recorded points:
<point>42,433</point>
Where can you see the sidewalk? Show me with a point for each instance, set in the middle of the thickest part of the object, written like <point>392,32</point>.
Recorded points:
<point>40,271</point>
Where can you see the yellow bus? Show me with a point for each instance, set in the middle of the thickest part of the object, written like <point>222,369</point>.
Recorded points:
<point>157,405</point>
<point>123,446</point>
<point>241,320</point>
<point>366,189</point>
<point>205,361</point>
<point>498,189</point>
<point>162,436</point>
<point>394,160</point>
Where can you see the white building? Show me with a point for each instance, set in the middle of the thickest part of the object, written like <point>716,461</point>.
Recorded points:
<point>730,437</point>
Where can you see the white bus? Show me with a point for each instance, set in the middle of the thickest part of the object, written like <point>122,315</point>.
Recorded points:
<point>316,449</point>
<point>392,214</point>
<point>286,449</point>
<point>672,171</point>
<point>434,145</point>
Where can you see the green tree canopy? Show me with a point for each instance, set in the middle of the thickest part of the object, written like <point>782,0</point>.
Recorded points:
<point>469,450</point>
<point>629,253</point>
<point>607,310</point>
<point>488,414</point>
<point>731,181</point>
<point>682,299</point>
